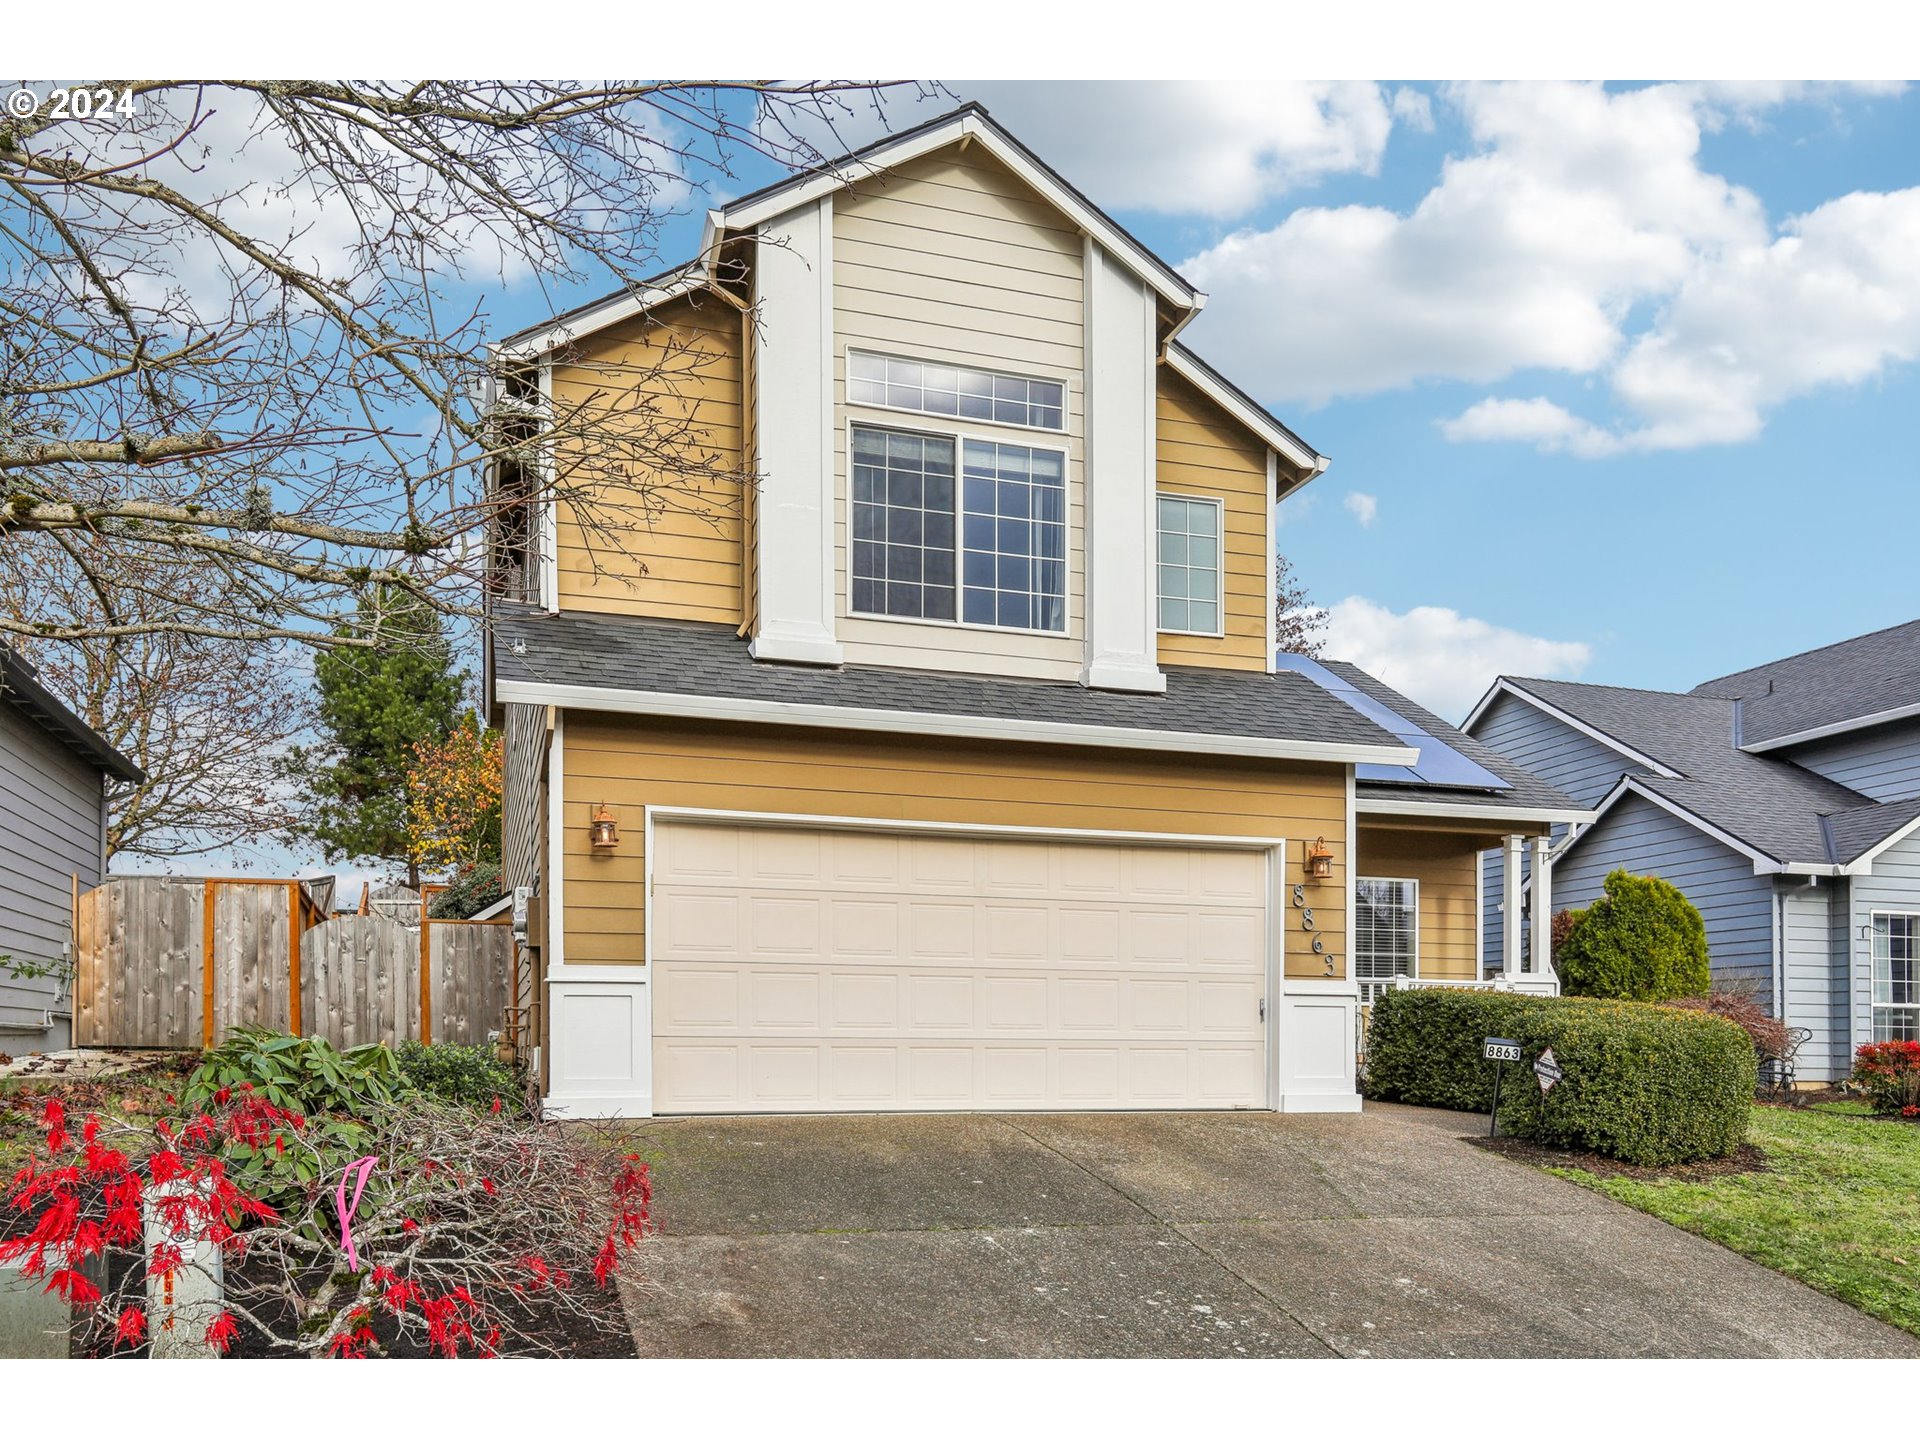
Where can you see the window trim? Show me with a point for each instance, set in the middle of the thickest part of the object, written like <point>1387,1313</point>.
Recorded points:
<point>1354,944</point>
<point>959,436</point>
<point>846,392</point>
<point>1219,504</point>
<point>1873,1006</point>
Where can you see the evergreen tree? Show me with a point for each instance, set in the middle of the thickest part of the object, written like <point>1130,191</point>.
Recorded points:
<point>375,705</point>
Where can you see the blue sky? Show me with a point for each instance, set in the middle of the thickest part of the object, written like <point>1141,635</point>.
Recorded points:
<point>1599,404</point>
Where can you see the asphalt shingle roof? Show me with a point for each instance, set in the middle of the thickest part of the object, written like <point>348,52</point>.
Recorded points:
<point>628,653</point>
<point>1525,791</point>
<point>1772,805</point>
<point>1867,675</point>
<point>20,687</point>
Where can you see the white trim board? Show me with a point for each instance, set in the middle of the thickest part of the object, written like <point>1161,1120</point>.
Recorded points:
<point>1502,814</point>
<point>1504,686</point>
<point>1202,377</point>
<point>1838,727</point>
<point>922,723</point>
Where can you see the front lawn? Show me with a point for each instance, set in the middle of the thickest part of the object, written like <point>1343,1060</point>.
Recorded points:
<point>1838,1206</point>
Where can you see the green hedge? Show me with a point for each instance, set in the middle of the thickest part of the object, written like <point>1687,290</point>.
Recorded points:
<point>1644,1083</point>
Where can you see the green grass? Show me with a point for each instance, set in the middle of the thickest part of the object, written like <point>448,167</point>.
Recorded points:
<point>1839,1209</point>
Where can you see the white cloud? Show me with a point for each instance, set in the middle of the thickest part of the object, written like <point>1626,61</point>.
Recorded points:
<point>1363,507</point>
<point>1442,658</point>
<point>1214,148</point>
<point>1538,422</point>
<point>1413,108</point>
<point>1581,235</point>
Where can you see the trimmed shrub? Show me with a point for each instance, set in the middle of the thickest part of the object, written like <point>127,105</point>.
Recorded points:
<point>462,1074</point>
<point>1889,1071</point>
<point>1647,1084</point>
<point>1641,940</point>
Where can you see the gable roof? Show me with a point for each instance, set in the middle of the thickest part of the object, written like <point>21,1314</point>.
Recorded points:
<point>1867,680</point>
<point>1526,795</point>
<point>969,121</point>
<point>20,687</point>
<point>1771,809</point>
<point>631,665</point>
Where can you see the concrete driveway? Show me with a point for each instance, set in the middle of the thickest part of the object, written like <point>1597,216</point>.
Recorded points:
<point>1178,1235</point>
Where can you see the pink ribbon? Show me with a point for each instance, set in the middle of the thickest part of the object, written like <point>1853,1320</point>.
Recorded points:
<point>345,1208</point>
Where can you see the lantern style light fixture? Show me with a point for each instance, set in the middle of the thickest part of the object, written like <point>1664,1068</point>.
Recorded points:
<point>606,830</point>
<point>1319,860</point>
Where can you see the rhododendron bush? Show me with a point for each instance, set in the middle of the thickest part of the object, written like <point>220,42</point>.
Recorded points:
<point>473,1234</point>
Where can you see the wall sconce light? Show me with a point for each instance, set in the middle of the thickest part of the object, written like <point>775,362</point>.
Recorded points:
<point>1319,860</point>
<point>606,830</point>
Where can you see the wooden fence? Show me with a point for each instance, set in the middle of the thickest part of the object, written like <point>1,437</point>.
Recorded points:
<point>167,962</point>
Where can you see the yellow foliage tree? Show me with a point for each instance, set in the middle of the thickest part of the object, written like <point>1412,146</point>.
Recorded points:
<point>454,791</point>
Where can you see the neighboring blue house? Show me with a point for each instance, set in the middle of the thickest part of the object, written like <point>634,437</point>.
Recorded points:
<point>53,836</point>
<point>1784,800</point>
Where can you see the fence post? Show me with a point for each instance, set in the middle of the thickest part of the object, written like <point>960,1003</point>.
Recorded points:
<point>293,956</point>
<point>426,977</point>
<point>207,893</point>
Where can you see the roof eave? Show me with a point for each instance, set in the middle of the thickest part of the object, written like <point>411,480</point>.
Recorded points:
<point>947,724</point>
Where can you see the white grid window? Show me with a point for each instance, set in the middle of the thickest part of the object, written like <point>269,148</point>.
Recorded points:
<point>1014,537</point>
<point>913,531</point>
<point>1896,977</point>
<point>956,390</point>
<point>1189,565</point>
<point>1386,933</point>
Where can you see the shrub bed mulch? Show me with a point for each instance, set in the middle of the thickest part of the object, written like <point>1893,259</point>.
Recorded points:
<point>1747,1160</point>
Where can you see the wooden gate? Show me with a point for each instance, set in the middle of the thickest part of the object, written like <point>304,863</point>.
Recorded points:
<point>360,980</point>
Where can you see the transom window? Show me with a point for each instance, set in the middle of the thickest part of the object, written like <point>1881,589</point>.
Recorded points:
<point>956,390</point>
<point>1003,533</point>
<point>1896,977</point>
<point>1189,565</point>
<point>1386,933</point>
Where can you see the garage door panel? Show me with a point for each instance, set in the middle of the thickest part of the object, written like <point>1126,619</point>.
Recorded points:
<point>872,971</point>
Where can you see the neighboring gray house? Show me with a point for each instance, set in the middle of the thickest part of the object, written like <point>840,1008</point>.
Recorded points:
<point>1784,800</point>
<point>53,826</point>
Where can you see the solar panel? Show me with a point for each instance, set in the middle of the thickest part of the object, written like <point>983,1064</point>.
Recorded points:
<point>1439,763</point>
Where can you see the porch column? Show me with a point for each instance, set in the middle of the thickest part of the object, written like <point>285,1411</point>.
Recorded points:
<point>1511,918</point>
<point>1542,908</point>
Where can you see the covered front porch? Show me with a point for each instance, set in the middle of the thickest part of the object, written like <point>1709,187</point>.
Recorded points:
<point>1419,900</point>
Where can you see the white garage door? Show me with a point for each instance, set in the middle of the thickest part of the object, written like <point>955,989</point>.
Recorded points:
<point>803,969</point>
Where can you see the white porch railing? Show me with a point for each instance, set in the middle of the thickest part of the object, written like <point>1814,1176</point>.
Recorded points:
<point>1523,984</point>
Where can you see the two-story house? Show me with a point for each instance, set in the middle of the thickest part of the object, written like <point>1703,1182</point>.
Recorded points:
<point>1783,800</point>
<point>929,749</point>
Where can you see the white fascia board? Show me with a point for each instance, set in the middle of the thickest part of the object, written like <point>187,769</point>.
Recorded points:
<point>610,311</point>
<point>1839,727</point>
<point>1440,810</point>
<point>1863,864</point>
<point>1277,439</point>
<point>1763,863</point>
<point>1504,686</point>
<point>920,723</point>
<point>1142,262</point>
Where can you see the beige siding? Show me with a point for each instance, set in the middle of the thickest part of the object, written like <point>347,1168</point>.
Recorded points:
<point>1202,451</point>
<point>633,764</point>
<point>952,258</point>
<point>1444,864</point>
<point>663,543</point>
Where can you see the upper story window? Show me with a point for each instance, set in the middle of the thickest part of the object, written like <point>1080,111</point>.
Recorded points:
<point>965,394</point>
<point>1189,565</point>
<point>988,551</point>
